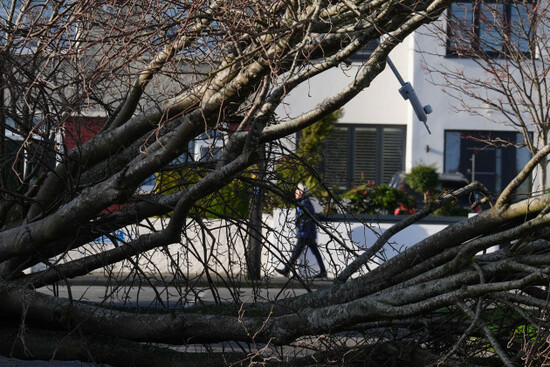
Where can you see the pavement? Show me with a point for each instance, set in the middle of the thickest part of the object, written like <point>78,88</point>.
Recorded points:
<point>5,362</point>
<point>276,281</point>
<point>173,294</point>
<point>97,288</point>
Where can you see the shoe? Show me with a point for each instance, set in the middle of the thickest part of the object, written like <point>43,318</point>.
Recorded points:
<point>283,272</point>
<point>321,275</point>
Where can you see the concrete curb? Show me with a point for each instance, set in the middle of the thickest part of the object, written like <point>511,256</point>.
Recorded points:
<point>268,282</point>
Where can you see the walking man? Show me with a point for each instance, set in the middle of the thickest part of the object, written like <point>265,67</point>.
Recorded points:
<point>306,233</point>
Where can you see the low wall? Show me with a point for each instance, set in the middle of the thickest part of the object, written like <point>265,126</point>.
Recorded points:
<point>221,245</point>
<point>341,237</point>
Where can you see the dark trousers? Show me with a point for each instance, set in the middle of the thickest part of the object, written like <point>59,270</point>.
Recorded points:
<point>299,248</point>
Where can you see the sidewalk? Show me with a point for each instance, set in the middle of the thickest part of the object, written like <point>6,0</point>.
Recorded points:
<point>272,282</point>
<point>169,293</point>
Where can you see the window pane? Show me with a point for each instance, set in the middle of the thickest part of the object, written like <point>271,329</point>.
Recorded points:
<point>522,158</point>
<point>520,25</point>
<point>364,160</point>
<point>364,52</point>
<point>210,153</point>
<point>335,156</point>
<point>35,22</point>
<point>393,151</point>
<point>461,26</point>
<point>452,151</point>
<point>490,27</point>
<point>11,164</point>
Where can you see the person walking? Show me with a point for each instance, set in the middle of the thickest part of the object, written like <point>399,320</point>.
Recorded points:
<point>306,233</point>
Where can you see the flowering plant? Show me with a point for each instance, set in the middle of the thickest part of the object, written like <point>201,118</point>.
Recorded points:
<point>371,199</point>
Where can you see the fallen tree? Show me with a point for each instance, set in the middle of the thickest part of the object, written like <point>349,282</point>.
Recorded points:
<point>166,74</point>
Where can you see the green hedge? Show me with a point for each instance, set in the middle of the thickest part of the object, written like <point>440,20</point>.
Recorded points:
<point>232,201</point>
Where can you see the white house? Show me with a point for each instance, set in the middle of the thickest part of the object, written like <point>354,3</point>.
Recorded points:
<point>379,133</point>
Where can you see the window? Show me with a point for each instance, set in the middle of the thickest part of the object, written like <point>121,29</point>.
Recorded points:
<point>152,25</point>
<point>23,159</point>
<point>493,164</point>
<point>354,154</point>
<point>32,22</point>
<point>208,146</point>
<point>364,52</point>
<point>12,165</point>
<point>491,27</point>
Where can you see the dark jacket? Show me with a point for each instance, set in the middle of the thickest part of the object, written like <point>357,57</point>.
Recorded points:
<point>305,225</point>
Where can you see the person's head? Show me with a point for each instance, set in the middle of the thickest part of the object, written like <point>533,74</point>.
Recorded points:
<point>301,191</point>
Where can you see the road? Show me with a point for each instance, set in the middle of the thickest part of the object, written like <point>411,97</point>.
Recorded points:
<point>172,296</point>
<point>94,289</point>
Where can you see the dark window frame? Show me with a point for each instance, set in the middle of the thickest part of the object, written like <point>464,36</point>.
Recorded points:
<point>479,135</point>
<point>477,42</point>
<point>351,152</point>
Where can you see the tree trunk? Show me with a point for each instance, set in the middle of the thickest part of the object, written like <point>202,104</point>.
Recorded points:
<point>254,253</point>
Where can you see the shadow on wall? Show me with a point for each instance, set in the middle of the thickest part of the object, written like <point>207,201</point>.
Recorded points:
<point>365,237</point>
<point>361,237</point>
<point>354,235</point>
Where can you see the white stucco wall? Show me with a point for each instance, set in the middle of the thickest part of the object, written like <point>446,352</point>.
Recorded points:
<point>382,104</point>
<point>428,51</point>
<point>379,104</point>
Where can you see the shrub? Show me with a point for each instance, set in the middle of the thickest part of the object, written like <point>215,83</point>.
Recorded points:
<point>232,201</point>
<point>452,209</point>
<point>424,180</point>
<point>369,199</point>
